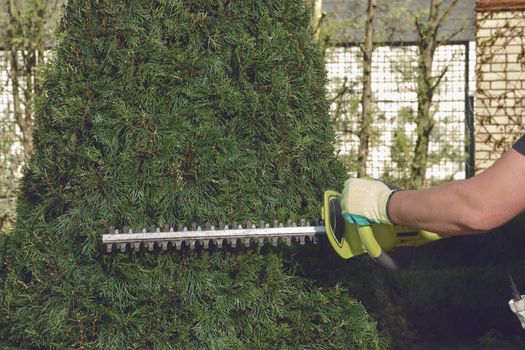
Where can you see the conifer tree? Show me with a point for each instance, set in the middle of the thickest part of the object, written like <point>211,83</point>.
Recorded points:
<point>175,111</point>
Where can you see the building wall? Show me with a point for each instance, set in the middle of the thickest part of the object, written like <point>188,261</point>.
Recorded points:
<point>500,70</point>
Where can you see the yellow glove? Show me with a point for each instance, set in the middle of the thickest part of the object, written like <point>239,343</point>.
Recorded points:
<point>365,202</point>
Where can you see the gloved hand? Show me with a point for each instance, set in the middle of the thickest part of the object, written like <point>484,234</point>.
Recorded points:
<point>365,202</point>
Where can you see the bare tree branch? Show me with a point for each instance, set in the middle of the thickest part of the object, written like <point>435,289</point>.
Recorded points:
<point>367,49</point>
<point>439,78</point>
<point>445,13</point>
<point>448,38</point>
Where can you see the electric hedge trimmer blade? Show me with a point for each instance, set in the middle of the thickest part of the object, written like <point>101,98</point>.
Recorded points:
<point>347,239</point>
<point>231,235</point>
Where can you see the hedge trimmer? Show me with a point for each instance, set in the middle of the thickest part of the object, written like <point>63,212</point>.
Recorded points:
<point>347,239</point>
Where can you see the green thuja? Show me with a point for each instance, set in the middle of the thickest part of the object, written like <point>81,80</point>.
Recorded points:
<point>175,111</point>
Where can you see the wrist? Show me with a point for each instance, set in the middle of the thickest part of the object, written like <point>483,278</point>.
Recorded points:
<point>391,206</point>
<point>388,206</point>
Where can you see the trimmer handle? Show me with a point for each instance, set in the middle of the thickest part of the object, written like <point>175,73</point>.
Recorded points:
<point>369,241</point>
<point>373,248</point>
<point>351,235</point>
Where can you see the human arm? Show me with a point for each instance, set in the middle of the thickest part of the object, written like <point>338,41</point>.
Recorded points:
<point>460,207</point>
<point>474,205</point>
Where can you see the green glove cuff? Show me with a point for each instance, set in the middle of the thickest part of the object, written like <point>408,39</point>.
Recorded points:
<point>357,219</point>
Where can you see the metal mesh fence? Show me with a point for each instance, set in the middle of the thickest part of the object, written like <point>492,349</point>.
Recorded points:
<point>4,89</point>
<point>395,104</point>
<point>9,155</point>
<point>10,142</point>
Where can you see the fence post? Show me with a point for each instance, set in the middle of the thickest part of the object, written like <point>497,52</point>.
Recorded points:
<point>469,137</point>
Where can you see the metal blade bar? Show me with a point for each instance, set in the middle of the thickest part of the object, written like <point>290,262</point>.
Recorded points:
<point>224,234</point>
<point>195,236</point>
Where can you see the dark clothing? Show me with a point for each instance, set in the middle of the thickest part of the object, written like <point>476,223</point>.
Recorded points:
<point>520,145</point>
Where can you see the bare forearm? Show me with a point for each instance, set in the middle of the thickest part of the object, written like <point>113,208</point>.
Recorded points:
<point>467,206</point>
<point>445,209</point>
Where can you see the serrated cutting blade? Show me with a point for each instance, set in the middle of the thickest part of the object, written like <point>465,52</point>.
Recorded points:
<point>236,235</point>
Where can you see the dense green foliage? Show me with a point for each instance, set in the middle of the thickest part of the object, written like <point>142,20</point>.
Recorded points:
<point>170,111</point>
